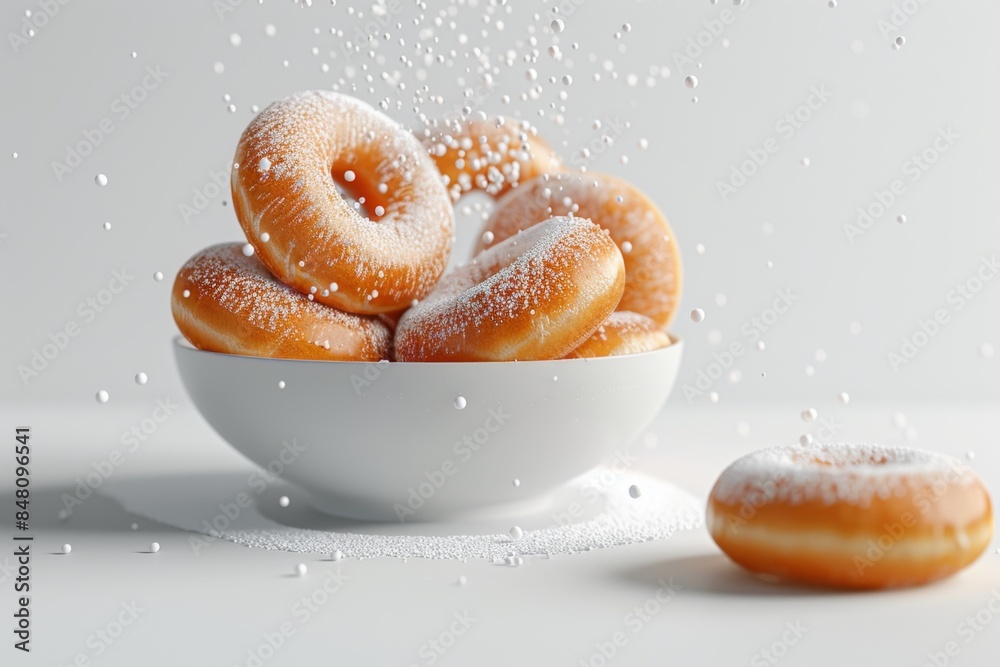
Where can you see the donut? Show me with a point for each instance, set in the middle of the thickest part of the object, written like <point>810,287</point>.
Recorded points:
<point>623,333</point>
<point>372,259</point>
<point>850,516</point>
<point>224,301</point>
<point>491,154</point>
<point>537,296</point>
<point>652,259</point>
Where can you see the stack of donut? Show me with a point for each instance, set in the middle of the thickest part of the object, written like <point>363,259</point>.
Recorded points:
<point>349,220</point>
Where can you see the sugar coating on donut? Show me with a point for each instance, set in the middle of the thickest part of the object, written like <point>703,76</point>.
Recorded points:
<point>520,293</point>
<point>855,474</point>
<point>623,333</point>
<point>294,158</point>
<point>492,154</point>
<point>652,257</point>
<point>243,288</point>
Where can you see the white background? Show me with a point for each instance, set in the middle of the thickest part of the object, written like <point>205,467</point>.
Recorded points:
<point>886,106</point>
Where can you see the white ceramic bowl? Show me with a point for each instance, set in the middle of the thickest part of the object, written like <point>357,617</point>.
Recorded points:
<point>385,441</point>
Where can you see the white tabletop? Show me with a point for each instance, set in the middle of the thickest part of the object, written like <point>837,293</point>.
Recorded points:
<point>218,606</point>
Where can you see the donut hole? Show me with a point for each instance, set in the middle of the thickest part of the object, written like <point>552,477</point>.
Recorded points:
<point>361,192</point>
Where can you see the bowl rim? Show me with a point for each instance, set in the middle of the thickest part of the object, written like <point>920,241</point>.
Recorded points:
<point>676,344</point>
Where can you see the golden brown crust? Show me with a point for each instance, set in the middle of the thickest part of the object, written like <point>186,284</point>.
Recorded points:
<point>493,155</point>
<point>375,259</point>
<point>623,333</point>
<point>537,296</point>
<point>926,526</point>
<point>223,301</point>
<point>652,258</point>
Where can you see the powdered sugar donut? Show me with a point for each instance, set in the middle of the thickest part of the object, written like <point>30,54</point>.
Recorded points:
<point>853,516</point>
<point>492,154</point>
<point>623,333</point>
<point>285,191</point>
<point>224,301</point>
<point>652,258</point>
<point>537,296</point>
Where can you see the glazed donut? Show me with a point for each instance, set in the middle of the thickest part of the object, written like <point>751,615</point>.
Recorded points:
<point>623,333</point>
<point>224,301</point>
<point>287,168</point>
<point>850,516</point>
<point>652,259</point>
<point>492,154</point>
<point>537,296</point>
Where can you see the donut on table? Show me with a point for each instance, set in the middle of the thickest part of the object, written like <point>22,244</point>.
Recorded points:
<point>224,301</point>
<point>623,333</point>
<point>537,296</point>
<point>372,259</point>
<point>492,154</point>
<point>851,516</point>
<point>652,259</point>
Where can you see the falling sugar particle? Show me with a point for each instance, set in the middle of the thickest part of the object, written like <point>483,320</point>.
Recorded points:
<point>697,315</point>
<point>301,569</point>
<point>899,42</point>
<point>67,548</point>
<point>804,162</point>
<point>235,39</point>
<point>264,164</point>
<point>349,176</point>
<point>154,547</point>
<point>487,238</point>
<point>107,226</point>
<point>141,378</point>
<point>691,81</point>
<point>134,54</point>
<point>901,219</point>
<point>337,555</point>
<point>714,397</point>
<point>743,428</point>
<point>186,293</point>
<point>265,237</point>
<point>158,276</point>
<point>809,415</point>
<point>516,482</point>
<point>379,211</point>
<point>460,402</point>
<point>634,491</point>
<point>844,398</point>
<point>248,250</point>
<point>101,180</point>
<point>557,25</point>
<point>284,501</point>
<point>462,581</point>
<point>971,455</point>
<point>626,247</point>
<point>805,440</point>
<point>700,248</point>
<point>516,533</point>
<point>761,345</point>
<point>270,30</point>
<point>334,287</point>
<point>219,68</point>
<point>281,384</point>
<point>986,350</point>
<point>103,396</point>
